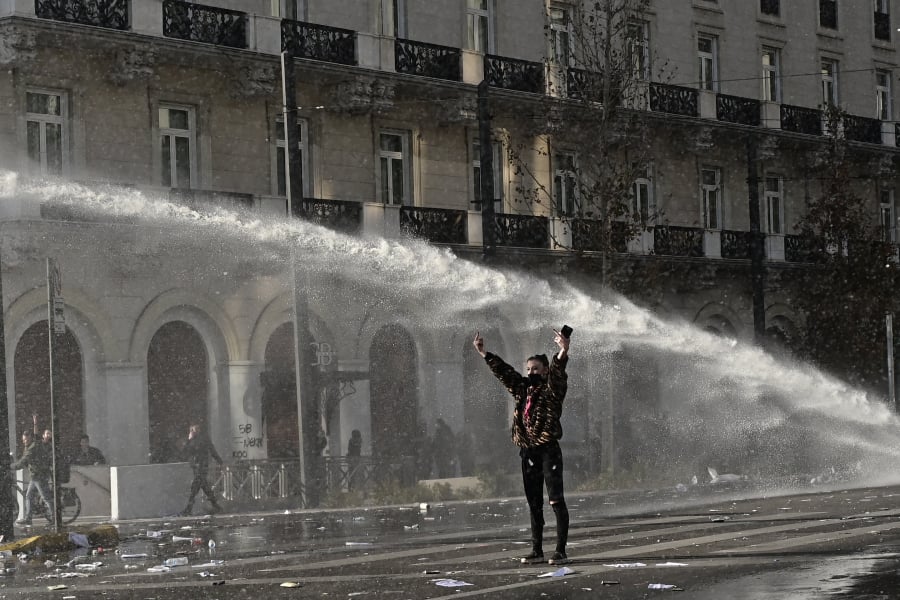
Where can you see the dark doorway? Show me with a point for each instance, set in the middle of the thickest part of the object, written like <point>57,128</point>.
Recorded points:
<point>32,372</point>
<point>394,393</point>
<point>177,388</point>
<point>279,402</point>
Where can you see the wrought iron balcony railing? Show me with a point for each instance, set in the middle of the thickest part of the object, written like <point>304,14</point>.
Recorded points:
<point>436,225</point>
<point>427,60</point>
<point>522,231</point>
<point>736,244</point>
<point>803,249</point>
<point>318,42</point>
<point>735,109</point>
<point>111,14</point>
<point>210,199</point>
<point>862,129</point>
<point>582,84</point>
<point>207,24</point>
<point>800,119</point>
<point>515,74</point>
<point>897,134</point>
<point>674,99</point>
<point>588,235</point>
<point>341,215</point>
<point>670,240</point>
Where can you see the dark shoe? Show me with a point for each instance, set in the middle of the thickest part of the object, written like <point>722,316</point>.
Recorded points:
<point>559,558</point>
<point>533,558</point>
<point>23,522</point>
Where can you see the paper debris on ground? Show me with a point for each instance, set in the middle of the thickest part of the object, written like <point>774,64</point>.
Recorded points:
<point>451,582</point>
<point>671,564</point>
<point>290,584</point>
<point>626,565</point>
<point>559,572</point>
<point>664,586</point>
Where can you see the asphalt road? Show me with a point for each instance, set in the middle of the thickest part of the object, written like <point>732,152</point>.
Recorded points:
<point>711,542</point>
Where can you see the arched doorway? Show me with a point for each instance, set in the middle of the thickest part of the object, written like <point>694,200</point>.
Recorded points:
<point>31,366</point>
<point>177,388</point>
<point>393,390</point>
<point>279,400</point>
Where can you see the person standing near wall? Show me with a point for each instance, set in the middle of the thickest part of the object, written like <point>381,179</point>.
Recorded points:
<point>536,429</point>
<point>38,460</point>
<point>197,451</point>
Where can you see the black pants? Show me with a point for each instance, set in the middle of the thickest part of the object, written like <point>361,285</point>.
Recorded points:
<point>544,465</point>
<point>200,482</point>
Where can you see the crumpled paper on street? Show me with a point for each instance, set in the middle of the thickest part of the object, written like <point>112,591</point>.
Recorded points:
<point>450,582</point>
<point>559,572</point>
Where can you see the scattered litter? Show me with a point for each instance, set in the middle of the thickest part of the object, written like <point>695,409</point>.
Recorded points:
<point>134,556</point>
<point>424,507</point>
<point>53,588</point>
<point>720,519</point>
<point>212,546</point>
<point>431,572</point>
<point>219,582</point>
<point>408,527</point>
<point>351,594</point>
<point>357,543</point>
<point>626,565</point>
<point>451,583</point>
<point>287,512</point>
<point>178,561</point>
<point>559,572</point>
<point>664,586</point>
<point>206,574</point>
<point>608,582</point>
<point>291,584</point>
<point>359,518</point>
<point>79,539</point>
<point>681,488</point>
<point>181,538</point>
<point>212,563</point>
<point>159,569</point>
<point>131,566</point>
<point>49,564</point>
<point>89,566</point>
<point>671,564</point>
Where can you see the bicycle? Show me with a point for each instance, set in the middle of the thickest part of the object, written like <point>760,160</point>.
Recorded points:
<point>70,506</point>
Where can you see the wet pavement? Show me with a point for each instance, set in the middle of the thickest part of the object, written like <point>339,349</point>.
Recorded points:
<point>709,541</point>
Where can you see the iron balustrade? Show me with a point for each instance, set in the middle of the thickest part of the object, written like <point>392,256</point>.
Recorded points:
<point>436,225</point>
<point>671,240</point>
<point>882,26</point>
<point>206,199</point>
<point>515,74</point>
<point>735,244</point>
<point>318,42</point>
<point>111,14</point>
<point>522,231</point>
<point>674,99</point>
<point>800,119</point>
<point>735,109</point>
<point>804,249</point>
<point>427,60</point>
<point>207,24</point>
<point>340,215</point>
<point>588,235</point>
<point>582,84</point>
<point>862,129</point>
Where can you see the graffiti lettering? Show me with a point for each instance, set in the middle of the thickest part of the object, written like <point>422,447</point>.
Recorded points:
<point>324,354</point>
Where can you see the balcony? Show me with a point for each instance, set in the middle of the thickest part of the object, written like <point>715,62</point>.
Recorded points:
<point>522,231</point>
<point>427,60</point>
<point>206,24</point>
<point>802,249</point>
<point>588,235</point>
<point>736,244</point>
<point>670,240</point>
<point>862,129</point>
<point>734,109</point>
<point>673,99</point>
<point>340,215</point>
<point>110,14</point>
<point>515,74</point>
<point>801,120</point>
<point>582,84</point>
<point>318,42</point>
<point>435,225</point>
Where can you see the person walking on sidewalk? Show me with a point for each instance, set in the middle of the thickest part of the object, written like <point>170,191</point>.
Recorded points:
<point>536,429</point>
<point>197,451</point>
<point>38,460</point>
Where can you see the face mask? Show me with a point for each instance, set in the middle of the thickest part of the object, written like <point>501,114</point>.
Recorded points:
<point>535,379</point>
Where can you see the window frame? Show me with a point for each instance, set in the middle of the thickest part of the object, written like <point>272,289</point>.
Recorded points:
<point>771,74</point>
<point>643,180</point>
<point>393,18</point>
<point>281,148</point>
<point>830,81</point>
<point>887,206</point>
<point>405,158</point>
<point>884,97</point>
<point>770,196</point>
<point>640,59</point>
<point>473,32</point>
<point>40,167</point>
<point>557,29</point>
<point>712,57</point>
<point>705,191</point>
<point>565,170</point>
<point>763,4</point>
<point>176,133</point>
<point>881,7</point>
<point>497,166</point>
